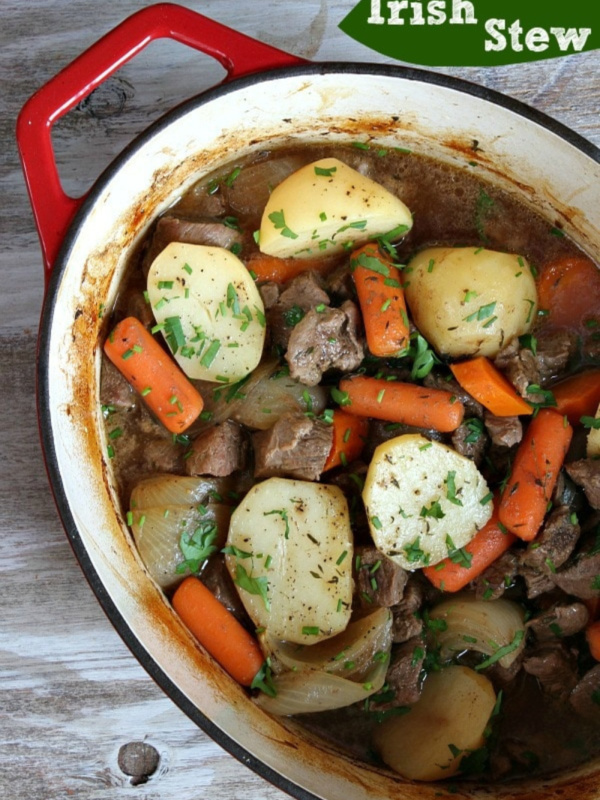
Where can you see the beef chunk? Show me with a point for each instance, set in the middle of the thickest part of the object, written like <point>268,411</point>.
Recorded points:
<point>302,294</point>
<point>555,543</point>
<point>380,432</point>
<point>219,451</point>
<point>537,582</point>
<point>581,576</point>
<point>324,340</point>
<point>216,577</point>
<point>380,581</point>
<point>340,283</point>
<point>269,293</point>
<point>407,622</point>
<point>523,367</point>
<point>403,676</point>
<point>115,391</point>
<point>559,620</point>
<point>555,667</point>
<point>586,473</point>
<point>470,442</point>
<point>585,697</point>
<point>493,581</point>
<point>296,447</point>
<point>207,231</point>
<point>434,380</point>
<point>504,431</point>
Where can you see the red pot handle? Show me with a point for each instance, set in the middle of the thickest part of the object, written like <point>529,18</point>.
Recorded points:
<point>53,209</point>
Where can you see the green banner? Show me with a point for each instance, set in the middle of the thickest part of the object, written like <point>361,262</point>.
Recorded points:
<point>463,33</point>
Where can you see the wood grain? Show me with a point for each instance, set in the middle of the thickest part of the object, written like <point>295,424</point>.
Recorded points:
<point>71,694</point>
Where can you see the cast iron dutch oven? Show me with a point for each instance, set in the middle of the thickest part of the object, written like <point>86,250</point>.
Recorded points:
<point>268,97</point>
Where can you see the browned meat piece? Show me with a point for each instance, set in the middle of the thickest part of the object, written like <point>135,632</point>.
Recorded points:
<point>519,365</point>
<point>269,293</point>
<point>469,441</point>
<point>302,294</point>
<point>558,621</point>
<point>493,581</point>
<point>219,451</point>
<point>536,581</point>
<point>115,391</point>
<point>380,432</point>
<point>296,447</point>
<point>380,582</point>
<point>340,283</point>
<point>436,381</point>
<point>162,455</point>
<point>504,431</point>
<point>585,697</point>
<point>555,667</point>
<point>208,231</point>
<point>555,543</point>
<point>403,677</point>
<point>523,367</point>
<point>407,622</point>
<point>324,340</point>
<point>580,577</point>
<point>554,350</point>
<point>216,576</point>
<point>586,473</point>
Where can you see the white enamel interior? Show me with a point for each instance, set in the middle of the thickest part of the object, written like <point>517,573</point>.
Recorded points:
<point>553,175</point>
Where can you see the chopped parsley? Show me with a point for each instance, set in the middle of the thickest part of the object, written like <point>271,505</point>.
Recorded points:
<point>278,220</point>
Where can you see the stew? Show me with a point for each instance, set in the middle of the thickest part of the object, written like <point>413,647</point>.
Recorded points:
<point>351,399</point>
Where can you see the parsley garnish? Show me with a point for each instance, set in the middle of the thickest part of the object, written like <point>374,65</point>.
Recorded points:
<point>252,585</point>
<point>197,547</point>
<point>278,220</point>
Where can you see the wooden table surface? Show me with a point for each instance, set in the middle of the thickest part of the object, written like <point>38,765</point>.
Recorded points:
<point>71,694</point>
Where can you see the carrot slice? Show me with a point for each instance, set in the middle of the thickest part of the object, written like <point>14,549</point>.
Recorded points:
<point>486,384</point>
<point>578,396</point>
<point>349,436</point>
<point>538,461</point>
<point>485,547</point>
<point>569,289</point>
<point>381,298</point>
<point>218,631</point>
<point>270,268</point>
<point>592,635</point>
<point>402,402</point>
<point>164,387</point>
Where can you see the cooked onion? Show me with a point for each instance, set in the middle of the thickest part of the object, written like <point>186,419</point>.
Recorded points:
<point>273,396</point>
<point>162,508</point>
<point>314,690</point>
<point>349,654</point>
<point>487,626</point>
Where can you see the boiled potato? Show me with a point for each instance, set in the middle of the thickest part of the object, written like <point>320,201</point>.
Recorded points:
<point>447,722</point>
<point>290,555</point>
<point>593,440</point>
<point>323,206</point>
<point>470,301</point>
<point>423,500</point>
<point>210,309</point>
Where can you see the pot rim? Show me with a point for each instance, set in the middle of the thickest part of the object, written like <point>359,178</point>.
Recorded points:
<point>109,607</point>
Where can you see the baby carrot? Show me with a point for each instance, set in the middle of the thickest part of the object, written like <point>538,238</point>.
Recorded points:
<point>562,294</point>
<point>218,631</point>
<point>592,635</point>
<point>578,396</point>
<point>402,402</point>
<point>485,547</point>
<point>280,270</point>
<point>538,461</point>
<point>381,298</point>
<point>349,436</point>
<point>486,384</point>
<point>164,388</point>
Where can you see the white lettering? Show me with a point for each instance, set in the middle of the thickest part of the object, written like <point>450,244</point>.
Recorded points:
<point>417,17</point>
<point>515,31</point>
<point>437,12</point>
<point>458,6</point>
<point>493,27</point>
<point>375,18</point>
<point>537,40</point>
<point>395,8</point>
<point>574,36</point>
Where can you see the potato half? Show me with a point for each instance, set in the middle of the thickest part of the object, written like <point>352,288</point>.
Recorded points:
<point>290,555</point>
<point>423,500</point>
<point>210,309</point>
<point>470,301</point>
<point>325,205</point>
<point>447,723</point>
